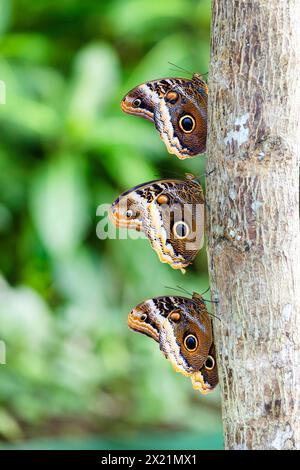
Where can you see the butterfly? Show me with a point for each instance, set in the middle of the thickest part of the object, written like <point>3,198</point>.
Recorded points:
<point>178,108</point>
<point>171,214</point>
<point>183,329</point>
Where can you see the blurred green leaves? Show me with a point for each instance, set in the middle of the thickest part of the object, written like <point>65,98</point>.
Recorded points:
<point>5,15</point>
<point>73,367</point>
<point>140,17</point>
<point>95,84</point>
<point>59,204</point>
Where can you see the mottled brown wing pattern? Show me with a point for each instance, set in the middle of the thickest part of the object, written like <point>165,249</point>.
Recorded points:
<point>183,329</point>
<point>178,108</point>
<point>171,214</point>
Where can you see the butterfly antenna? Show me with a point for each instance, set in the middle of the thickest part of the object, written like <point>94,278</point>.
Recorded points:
<point>211,301</point>
<point>210,172</point>
<point>173,70</point>
<point>171,173</point>
<point>198,178</point>
<point>172,288</point>
<point>207,173</point>
<point>182,289</point>
<point>179,289</point>
<point>167,174</point>
<point>205,291</point>
<point>180,68</point>
<point>215,316</point>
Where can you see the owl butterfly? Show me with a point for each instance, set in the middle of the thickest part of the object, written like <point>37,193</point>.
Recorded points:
<point>183,329</point>
<point>178,108</point>
<point>171,214</point>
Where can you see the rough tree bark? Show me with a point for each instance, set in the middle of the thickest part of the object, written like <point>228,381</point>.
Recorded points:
<point>253,222</point>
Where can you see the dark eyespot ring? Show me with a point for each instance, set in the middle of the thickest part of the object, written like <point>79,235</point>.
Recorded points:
<point>144,317</point>
<point>181,229</point>
<point>187,123</point>
<point>190,343</point>
<point>130,214</point>
<point>137,102</point>
<point>209,363</point>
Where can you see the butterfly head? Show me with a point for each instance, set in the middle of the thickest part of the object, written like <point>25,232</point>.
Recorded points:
<point>200,83</point>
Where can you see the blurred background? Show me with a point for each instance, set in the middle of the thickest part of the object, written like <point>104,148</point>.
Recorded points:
<point>75,376</point>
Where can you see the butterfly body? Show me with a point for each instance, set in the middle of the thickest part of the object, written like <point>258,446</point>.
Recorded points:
<point>171,214</point>
<point>177,107</point>
<point>183,329</point>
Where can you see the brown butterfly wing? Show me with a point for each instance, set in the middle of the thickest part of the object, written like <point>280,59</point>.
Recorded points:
<point>174,334</point>
<point>174,221</point>
<point>187,229</point>
<point>170,117</point>
<point>210,374</point>
<point>168,320</point>
<point>166,102</point>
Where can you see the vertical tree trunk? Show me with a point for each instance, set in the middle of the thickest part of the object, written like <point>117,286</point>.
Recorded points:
<point>253,222</point>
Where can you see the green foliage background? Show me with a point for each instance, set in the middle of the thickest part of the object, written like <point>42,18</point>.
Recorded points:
<point>74,370</point>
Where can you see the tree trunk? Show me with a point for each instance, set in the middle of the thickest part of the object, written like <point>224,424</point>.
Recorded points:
<point>253,218</point>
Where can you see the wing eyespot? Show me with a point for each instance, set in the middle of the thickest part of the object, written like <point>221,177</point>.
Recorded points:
<point>181,230</point>
<point>137,102</point>
<point>190,343</point>
<point>209,363</point>
<point>187,123</point>
<point>130,214</point>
